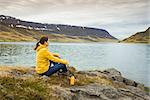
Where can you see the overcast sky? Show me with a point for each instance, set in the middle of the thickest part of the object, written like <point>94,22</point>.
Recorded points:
<point>121,18</point>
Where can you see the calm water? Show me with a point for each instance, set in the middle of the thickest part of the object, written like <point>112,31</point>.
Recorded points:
<point>131,59</point>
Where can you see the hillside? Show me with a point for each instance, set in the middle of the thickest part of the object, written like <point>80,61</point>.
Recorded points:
<point>139,37</point>
<point>12,29</point>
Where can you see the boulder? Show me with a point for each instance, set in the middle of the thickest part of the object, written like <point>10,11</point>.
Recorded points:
<point>62,93</point>
<point>113,75</point>
<point>112,72</point>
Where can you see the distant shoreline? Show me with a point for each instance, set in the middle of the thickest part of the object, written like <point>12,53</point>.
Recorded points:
<point>66,40</point>
<point>77,42</point>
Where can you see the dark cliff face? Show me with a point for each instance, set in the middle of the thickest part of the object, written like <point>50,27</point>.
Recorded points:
<point>56,28</point>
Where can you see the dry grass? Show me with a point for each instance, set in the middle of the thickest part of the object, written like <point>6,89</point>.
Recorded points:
<point>9,68</point>
<point>139,37</point>
<point>83,79</point>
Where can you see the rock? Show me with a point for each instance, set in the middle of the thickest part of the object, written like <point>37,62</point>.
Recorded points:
<point>9,97</point>
<point>128,82</point>
<point>103,92</point>
<point>141,86</point>
<point>27,76</point>
<point>62,93</point>
<point>119,84</point>
<point>45,77</point>
<point>90,73</point>
<point>112,72</point>
<point>134,93</point>
<point>95,92</point>
<point>115,75</point>
<point>133,83</point>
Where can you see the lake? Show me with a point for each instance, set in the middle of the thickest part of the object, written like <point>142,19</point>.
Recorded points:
<point>131,59</point>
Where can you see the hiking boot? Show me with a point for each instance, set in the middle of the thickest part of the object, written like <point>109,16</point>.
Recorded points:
<point>68,73</point>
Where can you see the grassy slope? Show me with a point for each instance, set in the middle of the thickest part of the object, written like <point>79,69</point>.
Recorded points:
<point>140,37</point>
<point>20,34</point>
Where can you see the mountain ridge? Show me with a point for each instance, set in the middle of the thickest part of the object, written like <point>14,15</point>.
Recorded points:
<point>70,31</point>
<point>139,37</point>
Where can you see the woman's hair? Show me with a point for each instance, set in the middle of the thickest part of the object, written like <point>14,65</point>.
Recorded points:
<point>42,40</point>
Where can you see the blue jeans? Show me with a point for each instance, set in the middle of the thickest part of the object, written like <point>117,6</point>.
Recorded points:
<point>56,67</point>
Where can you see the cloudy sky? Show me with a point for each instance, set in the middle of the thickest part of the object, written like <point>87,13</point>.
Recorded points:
<point>121,18</point>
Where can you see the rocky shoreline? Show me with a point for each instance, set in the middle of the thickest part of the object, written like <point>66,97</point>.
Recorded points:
<point>23,83</point>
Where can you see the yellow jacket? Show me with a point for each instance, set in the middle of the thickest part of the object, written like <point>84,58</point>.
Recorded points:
<point>42,59</point>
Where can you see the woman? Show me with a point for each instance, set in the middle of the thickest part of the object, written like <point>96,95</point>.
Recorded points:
<point>44,59</point>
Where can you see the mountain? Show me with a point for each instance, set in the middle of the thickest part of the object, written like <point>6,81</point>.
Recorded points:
<point>139,37</point>
<point>12,29</point>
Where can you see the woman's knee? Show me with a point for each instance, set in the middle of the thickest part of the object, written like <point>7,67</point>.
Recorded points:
<point>62,65</point>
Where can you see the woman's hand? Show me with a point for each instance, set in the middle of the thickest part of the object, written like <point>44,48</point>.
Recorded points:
<point>66,62</point>
<point>56,55</point>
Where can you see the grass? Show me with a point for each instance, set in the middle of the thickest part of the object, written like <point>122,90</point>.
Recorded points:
<point>29,89</point>
<point>139,37</point>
